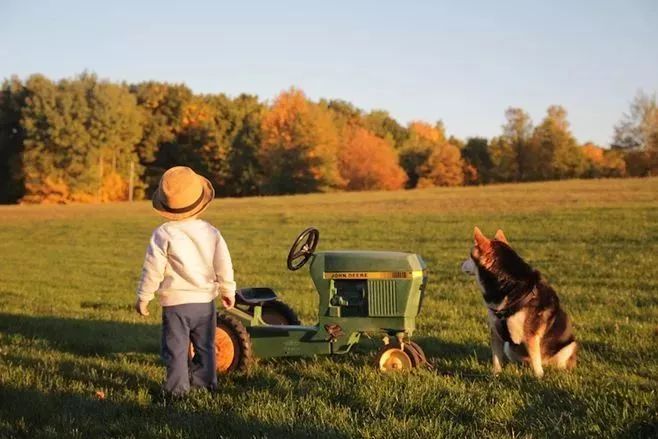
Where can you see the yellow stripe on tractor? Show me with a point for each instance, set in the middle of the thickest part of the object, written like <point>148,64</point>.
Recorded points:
<point>415,274</point>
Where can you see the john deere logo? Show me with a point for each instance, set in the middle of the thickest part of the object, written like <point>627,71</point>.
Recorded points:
<point>372,274</point>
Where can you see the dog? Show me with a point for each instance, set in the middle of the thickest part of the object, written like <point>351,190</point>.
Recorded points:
<point>526,321</point>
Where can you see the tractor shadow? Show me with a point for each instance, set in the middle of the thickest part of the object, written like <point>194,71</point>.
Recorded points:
<point>449,358</point>
<point>82,336</point>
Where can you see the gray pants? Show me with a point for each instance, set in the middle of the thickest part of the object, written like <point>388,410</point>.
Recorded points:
<point>182,324</point>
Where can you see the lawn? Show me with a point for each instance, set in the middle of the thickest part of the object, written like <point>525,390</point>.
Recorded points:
<point>68,331</point>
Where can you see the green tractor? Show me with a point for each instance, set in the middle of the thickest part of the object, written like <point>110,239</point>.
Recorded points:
<point>361,292</point>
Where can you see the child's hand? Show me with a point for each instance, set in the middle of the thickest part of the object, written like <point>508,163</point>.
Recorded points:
<point>142,308</point>
<point>228,301</point>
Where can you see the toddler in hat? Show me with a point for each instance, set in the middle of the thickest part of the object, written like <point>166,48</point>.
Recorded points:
<point>188,265</point>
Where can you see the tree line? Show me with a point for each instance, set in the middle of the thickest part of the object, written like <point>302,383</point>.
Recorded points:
<point>90,140</point>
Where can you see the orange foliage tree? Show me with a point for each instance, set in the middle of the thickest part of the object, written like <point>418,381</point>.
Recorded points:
<point>299,146</point>
<point>425,131</point>
<point>601,162</point>
<point>429,159</point>
<point>444,167</point>
<point>369,162</point>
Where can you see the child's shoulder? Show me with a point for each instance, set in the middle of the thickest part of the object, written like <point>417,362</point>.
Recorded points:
<point>207,225</point>
<point>193,225</point>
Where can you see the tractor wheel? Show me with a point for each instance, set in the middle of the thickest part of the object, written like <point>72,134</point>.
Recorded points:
<point>393,357</point>
<point>232,345</point>
<point>278,313</point>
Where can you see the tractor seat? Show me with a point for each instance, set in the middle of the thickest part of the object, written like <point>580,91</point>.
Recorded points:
<point>255,295</point>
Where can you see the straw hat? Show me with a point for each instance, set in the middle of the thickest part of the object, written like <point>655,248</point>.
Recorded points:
<point>182,193</point>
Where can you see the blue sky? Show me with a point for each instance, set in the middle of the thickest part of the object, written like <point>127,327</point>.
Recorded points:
<point>462,62</point>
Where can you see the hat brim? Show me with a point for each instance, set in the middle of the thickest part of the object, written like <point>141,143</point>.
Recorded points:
<point>208,196</point>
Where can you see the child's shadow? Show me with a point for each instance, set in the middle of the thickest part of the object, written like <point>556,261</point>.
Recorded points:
<point>84,337</point>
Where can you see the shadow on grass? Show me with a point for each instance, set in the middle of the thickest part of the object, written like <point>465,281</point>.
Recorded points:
<point>69,414</point>
<point>448,358</point>
<point>547,411</point>
<point>84,337</point>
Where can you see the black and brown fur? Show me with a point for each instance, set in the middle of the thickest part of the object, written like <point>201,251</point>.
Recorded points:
<point>525,318</point>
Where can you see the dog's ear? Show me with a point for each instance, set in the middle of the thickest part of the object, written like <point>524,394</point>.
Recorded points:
<point>500,236</point>
<point>481,241</point>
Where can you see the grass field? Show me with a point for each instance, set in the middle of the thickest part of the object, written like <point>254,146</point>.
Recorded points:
<point>67,329</point>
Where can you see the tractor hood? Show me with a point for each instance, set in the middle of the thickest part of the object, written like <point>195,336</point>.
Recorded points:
<point>348,261</point>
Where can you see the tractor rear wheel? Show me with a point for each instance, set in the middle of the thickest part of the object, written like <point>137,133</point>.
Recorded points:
<point>232,345</point>
<point>278,313</point>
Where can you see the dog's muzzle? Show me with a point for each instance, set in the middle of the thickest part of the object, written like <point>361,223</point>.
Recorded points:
<point>468,266</point>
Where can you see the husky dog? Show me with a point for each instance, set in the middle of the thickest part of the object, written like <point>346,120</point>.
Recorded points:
<point>526,322</point>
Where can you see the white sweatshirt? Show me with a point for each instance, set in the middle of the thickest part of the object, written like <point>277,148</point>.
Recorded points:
<point>186,262</point>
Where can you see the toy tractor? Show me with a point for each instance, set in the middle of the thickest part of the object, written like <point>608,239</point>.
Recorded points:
<point>361,292</point>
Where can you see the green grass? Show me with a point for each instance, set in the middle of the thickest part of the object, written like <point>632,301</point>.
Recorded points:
<point>67,329</point>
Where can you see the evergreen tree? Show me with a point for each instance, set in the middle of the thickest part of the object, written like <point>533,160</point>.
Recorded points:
<point>12,100</point>
<point>476,154</point>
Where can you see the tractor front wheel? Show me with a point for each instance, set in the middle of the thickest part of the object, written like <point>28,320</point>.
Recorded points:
<point>394,357</point>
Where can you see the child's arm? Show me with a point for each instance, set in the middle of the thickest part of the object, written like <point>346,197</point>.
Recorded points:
<point>224,272</point>
<point>152,271</point>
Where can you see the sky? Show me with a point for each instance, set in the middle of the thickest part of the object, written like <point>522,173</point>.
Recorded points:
<point>462,62</point>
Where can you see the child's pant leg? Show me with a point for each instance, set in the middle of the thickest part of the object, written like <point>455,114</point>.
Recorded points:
<point>203,372</point>
<point>175,348</point>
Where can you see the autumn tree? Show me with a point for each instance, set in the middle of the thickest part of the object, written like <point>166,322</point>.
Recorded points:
<point>429,159</point>
<point>299,146</point>
<point>504,160</point>
<point>444,167</point>
<point>368,162</point>
<point>600,162</point>
<point>115,128</point>
<point>77,132</point>
<point>162,106</point>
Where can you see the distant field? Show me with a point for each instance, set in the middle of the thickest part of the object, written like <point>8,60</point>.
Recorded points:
<point>67,329</point>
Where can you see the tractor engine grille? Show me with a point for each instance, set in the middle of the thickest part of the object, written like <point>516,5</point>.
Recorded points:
<point>382,300</point>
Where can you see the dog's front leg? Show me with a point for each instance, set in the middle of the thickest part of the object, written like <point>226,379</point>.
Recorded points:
<point>497,351</point>
<point>533,344</point>
<point>497,346</point>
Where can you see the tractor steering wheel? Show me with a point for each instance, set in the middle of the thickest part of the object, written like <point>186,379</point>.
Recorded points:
<point>302,249</point>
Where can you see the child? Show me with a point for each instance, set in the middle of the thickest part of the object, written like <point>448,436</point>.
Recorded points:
<point>188,264</point>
